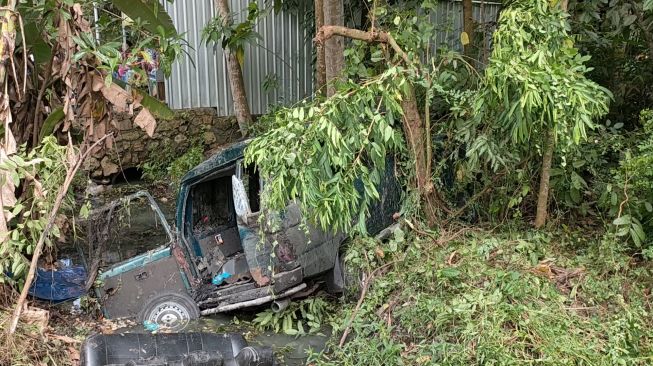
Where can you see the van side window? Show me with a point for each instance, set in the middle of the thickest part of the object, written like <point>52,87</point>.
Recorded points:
<point>212,205</point>
<point>134,228</point>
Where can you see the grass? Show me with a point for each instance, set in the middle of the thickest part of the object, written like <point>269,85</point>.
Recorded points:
<point>500,299</point>
<point>568,298</point>
<point>28,346</point>
<point>38,341</point>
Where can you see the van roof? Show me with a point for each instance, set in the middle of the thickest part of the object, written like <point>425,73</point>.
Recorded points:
<point>226,155</point>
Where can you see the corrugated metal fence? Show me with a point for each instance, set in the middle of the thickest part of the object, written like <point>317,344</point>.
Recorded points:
<point>448,18</point>
<point>282,58</point>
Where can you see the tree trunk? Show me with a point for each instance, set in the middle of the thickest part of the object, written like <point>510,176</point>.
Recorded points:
<point>545,176</point>
<point>320,64</point>
<point>241,106</point>
<point>468,26</point>
<point>413,124</point>
<point>334,48</point>
<point>416,136</point>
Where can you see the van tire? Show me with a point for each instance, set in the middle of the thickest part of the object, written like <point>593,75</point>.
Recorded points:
<point>344,280</point>
<point>172,310</point>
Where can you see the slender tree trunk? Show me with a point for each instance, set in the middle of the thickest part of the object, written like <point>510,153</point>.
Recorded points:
<point>320,64</point>
<point>75,162</point>
<point>468,26</point>
<point>334,48</point>
<point>416,136</point>
<point>241,106</point>
<point>545,177</point>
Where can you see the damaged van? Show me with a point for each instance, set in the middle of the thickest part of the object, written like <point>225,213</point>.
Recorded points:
<point>218,256</point>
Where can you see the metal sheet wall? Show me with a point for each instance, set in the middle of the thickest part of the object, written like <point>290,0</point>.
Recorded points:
<point>283,54</point>
<point>448,18</point>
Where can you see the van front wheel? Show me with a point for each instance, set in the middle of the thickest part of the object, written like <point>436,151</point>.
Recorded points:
<point>170,311</point>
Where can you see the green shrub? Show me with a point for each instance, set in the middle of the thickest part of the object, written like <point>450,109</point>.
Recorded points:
<point>501,299</point>
<point>39,174</point>
<point>166,165</point>
<point>300,317</point>
<point>181,165</point>
<point>628,198</point>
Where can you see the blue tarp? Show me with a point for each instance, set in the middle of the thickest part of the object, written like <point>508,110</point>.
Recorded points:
<point>63,284</point>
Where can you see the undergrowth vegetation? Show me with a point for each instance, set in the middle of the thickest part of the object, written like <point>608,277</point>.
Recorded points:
<point>29,346</point>
<point>299,318</point>
<point>506,298</point>
<point>166,165</point>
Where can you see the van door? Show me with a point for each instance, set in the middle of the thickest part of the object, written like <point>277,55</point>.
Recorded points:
<point>130,243</point>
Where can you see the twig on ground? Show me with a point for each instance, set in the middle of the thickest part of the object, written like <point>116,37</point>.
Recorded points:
<point>368,281</point>
<point>447,238</point>
<point>421,232</point>
<point>64,338</point>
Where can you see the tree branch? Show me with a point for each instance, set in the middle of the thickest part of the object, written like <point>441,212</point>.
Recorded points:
<point>329,31</point>
<point>70,174</point>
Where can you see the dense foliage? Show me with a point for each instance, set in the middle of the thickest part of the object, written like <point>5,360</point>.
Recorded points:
<point>573,84</point>
<point>43,170</point>
<point>330,156</point>
<point>629,196</point>
<point>62,94</point>
<point>535,81</point>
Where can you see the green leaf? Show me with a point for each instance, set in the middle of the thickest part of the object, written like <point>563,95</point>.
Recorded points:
<point>388,133</point>
<point>150,12</point>
<point>623,220</point>
<point>648,5</point>
<point>51,122</point>
<point>35,42</point>
<point>630,19</point>
<point>637,234</point>
<point>450,272</point>
<point>648,206</point>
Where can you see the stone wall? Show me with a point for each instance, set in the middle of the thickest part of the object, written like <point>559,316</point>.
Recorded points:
<point>132,146</point>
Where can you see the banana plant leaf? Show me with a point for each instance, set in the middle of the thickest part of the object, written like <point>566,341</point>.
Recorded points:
<point>155,106</point>
<point>35,43</point>
<point>150,12</point>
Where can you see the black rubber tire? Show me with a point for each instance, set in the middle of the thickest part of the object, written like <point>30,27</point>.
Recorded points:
<point>172,310</point>
<point>352,279</point>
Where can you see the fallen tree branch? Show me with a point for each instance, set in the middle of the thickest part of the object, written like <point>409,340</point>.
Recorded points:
<point>366,287</point>
<point>64,338</point>
<point>413,124</point>
<point>421,232</point>
<point>75,164</point>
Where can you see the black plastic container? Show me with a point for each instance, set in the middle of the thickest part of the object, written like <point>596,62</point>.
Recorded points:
<point>178,349</point>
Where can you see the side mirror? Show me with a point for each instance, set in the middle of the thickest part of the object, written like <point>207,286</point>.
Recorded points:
<point>241,203</point>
